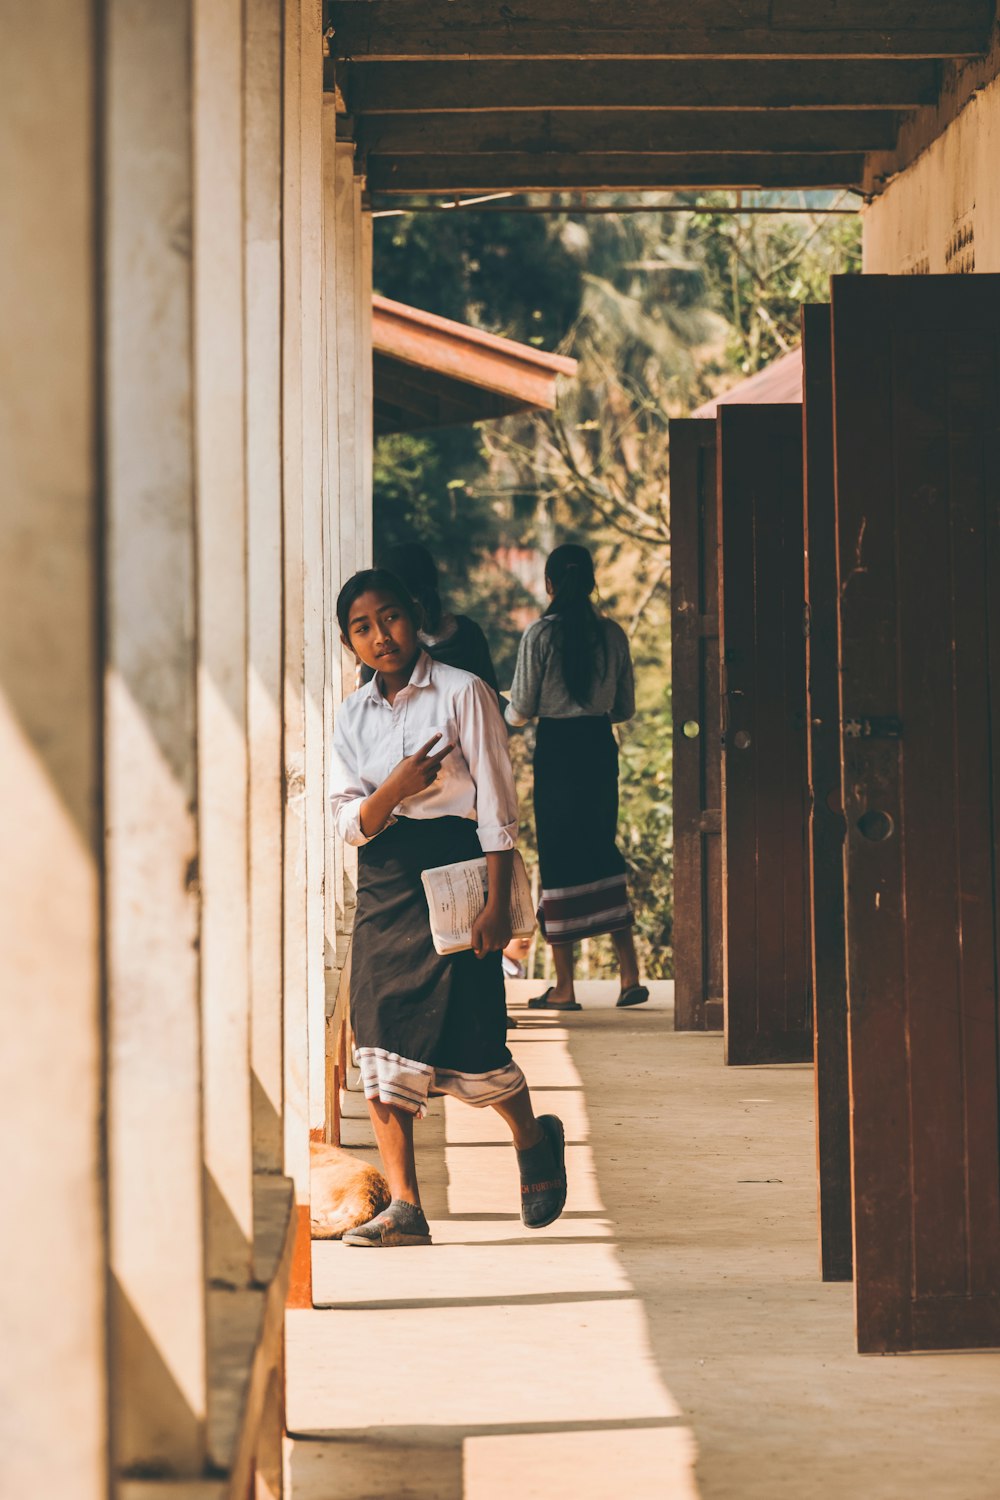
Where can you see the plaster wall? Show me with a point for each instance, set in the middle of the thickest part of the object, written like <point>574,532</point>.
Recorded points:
<point>946,203</point>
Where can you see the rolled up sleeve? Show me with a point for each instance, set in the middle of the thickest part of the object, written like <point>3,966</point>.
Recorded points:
<point>484,745</point>
<point>346,790</point>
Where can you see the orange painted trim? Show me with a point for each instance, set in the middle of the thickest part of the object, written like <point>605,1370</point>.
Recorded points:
<point>300,1292</point>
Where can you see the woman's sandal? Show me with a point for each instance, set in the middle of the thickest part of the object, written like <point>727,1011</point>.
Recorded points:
<point>542,1002</point>
<point>401,1223</point>
<point>634,995</point>
<point>543,1175</point>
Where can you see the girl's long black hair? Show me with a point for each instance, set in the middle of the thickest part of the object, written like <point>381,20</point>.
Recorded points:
<point>570,571</point>
<point>414,565</point>
<point>381,581</point>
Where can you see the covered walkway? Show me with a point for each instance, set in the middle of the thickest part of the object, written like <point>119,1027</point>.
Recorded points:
<point>669,1337</point>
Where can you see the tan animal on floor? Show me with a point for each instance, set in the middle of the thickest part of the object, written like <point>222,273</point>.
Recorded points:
<point>344,1192</point>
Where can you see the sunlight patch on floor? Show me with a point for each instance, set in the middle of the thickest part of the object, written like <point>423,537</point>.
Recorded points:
<point>495,1362</point>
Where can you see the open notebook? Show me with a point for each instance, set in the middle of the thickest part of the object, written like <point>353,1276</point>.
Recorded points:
<point>456,894</point>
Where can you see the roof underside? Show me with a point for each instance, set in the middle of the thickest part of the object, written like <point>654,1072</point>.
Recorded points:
<point>560,95</point>
<point>432,372</point>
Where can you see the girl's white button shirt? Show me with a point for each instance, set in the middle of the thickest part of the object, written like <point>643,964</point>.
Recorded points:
<point>371,737</point>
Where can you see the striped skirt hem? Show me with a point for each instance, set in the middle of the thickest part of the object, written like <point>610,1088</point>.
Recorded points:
<point>568,914</point>
<point>406,1083</point>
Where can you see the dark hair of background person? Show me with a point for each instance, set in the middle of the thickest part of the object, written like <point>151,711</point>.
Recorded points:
<point>414,565</point>
<point>580,630</point>
<point>377,580</point>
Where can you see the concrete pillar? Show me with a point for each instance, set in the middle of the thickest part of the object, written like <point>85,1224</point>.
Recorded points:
<point>154,1106</point>
<point>53,1419</point>
<point>220,480</point>
<point>262,134</point>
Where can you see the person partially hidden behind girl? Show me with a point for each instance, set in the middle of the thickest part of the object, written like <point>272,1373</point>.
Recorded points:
<point>574,674</point>
<point>420,776</point>
<point>454,639</point>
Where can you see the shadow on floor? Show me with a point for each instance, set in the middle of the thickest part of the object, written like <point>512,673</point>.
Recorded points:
<point>676,1303</point>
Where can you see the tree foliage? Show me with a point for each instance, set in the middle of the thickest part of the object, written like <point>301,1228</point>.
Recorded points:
<point>662,311</point>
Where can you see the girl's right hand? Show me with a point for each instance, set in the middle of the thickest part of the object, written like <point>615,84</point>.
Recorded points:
<point>416,772</point>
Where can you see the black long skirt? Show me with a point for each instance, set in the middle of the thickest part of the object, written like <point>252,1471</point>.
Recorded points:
<point>583,874</point>
<point>423,1021</point>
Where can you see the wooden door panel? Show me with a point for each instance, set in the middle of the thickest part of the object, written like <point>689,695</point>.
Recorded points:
<point>917,416</point>
<point>826,816</point>
<point>697,752</point>
<point>767,986</point>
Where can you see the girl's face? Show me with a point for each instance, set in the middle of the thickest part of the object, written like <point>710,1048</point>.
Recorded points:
<point>381,633</point>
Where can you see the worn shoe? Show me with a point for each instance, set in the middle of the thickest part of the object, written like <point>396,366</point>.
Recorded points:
<point>543,1175</point>
<point>400,1224</point>
<point>542,1002</point>
<point>634,995</point>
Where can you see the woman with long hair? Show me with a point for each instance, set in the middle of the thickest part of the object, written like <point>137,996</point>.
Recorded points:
<point>574,675</point>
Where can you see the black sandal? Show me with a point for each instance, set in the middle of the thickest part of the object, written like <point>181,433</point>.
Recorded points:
<point>634,995</point>
<point>543,1175</point>
<point>542,1002</point>
<point>401,1223</point>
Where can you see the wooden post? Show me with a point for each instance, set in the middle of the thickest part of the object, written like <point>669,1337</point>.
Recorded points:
<point>314,600</point>
<point>262,134</point>
<point>220,480</point>
<point>154,1116</point>
<point>52,1296</point>
<point>334,680</point>
<point>303,607</point>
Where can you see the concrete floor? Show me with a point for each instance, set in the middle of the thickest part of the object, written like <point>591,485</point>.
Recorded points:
<point>668,1338</point>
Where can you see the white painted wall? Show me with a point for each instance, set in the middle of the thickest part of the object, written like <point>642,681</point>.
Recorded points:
<point>956,180</point>
<point>53,1427</point>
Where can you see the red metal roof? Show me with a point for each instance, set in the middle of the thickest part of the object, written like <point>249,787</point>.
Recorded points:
<point>779,383</point>
<point>433,372</point>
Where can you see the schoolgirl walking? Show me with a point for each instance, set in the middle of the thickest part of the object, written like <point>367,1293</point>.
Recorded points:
<point>574,675</point>
<point>420,777</point>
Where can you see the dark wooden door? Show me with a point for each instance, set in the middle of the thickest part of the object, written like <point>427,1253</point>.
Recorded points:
<point>826,811</point>
<point>766,964</point>
<point>917,421</point>
<point>694,593</point>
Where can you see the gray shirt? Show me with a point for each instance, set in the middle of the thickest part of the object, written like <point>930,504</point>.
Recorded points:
<point>539,692</point>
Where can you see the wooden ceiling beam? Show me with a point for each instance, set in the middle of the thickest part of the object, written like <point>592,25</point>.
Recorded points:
<point>422,88</point>
<point>628,131</point>
<point>597,173</point>
<point>416,30</point>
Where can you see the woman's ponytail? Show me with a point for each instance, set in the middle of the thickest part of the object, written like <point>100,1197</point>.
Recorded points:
<point>580,635</point>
